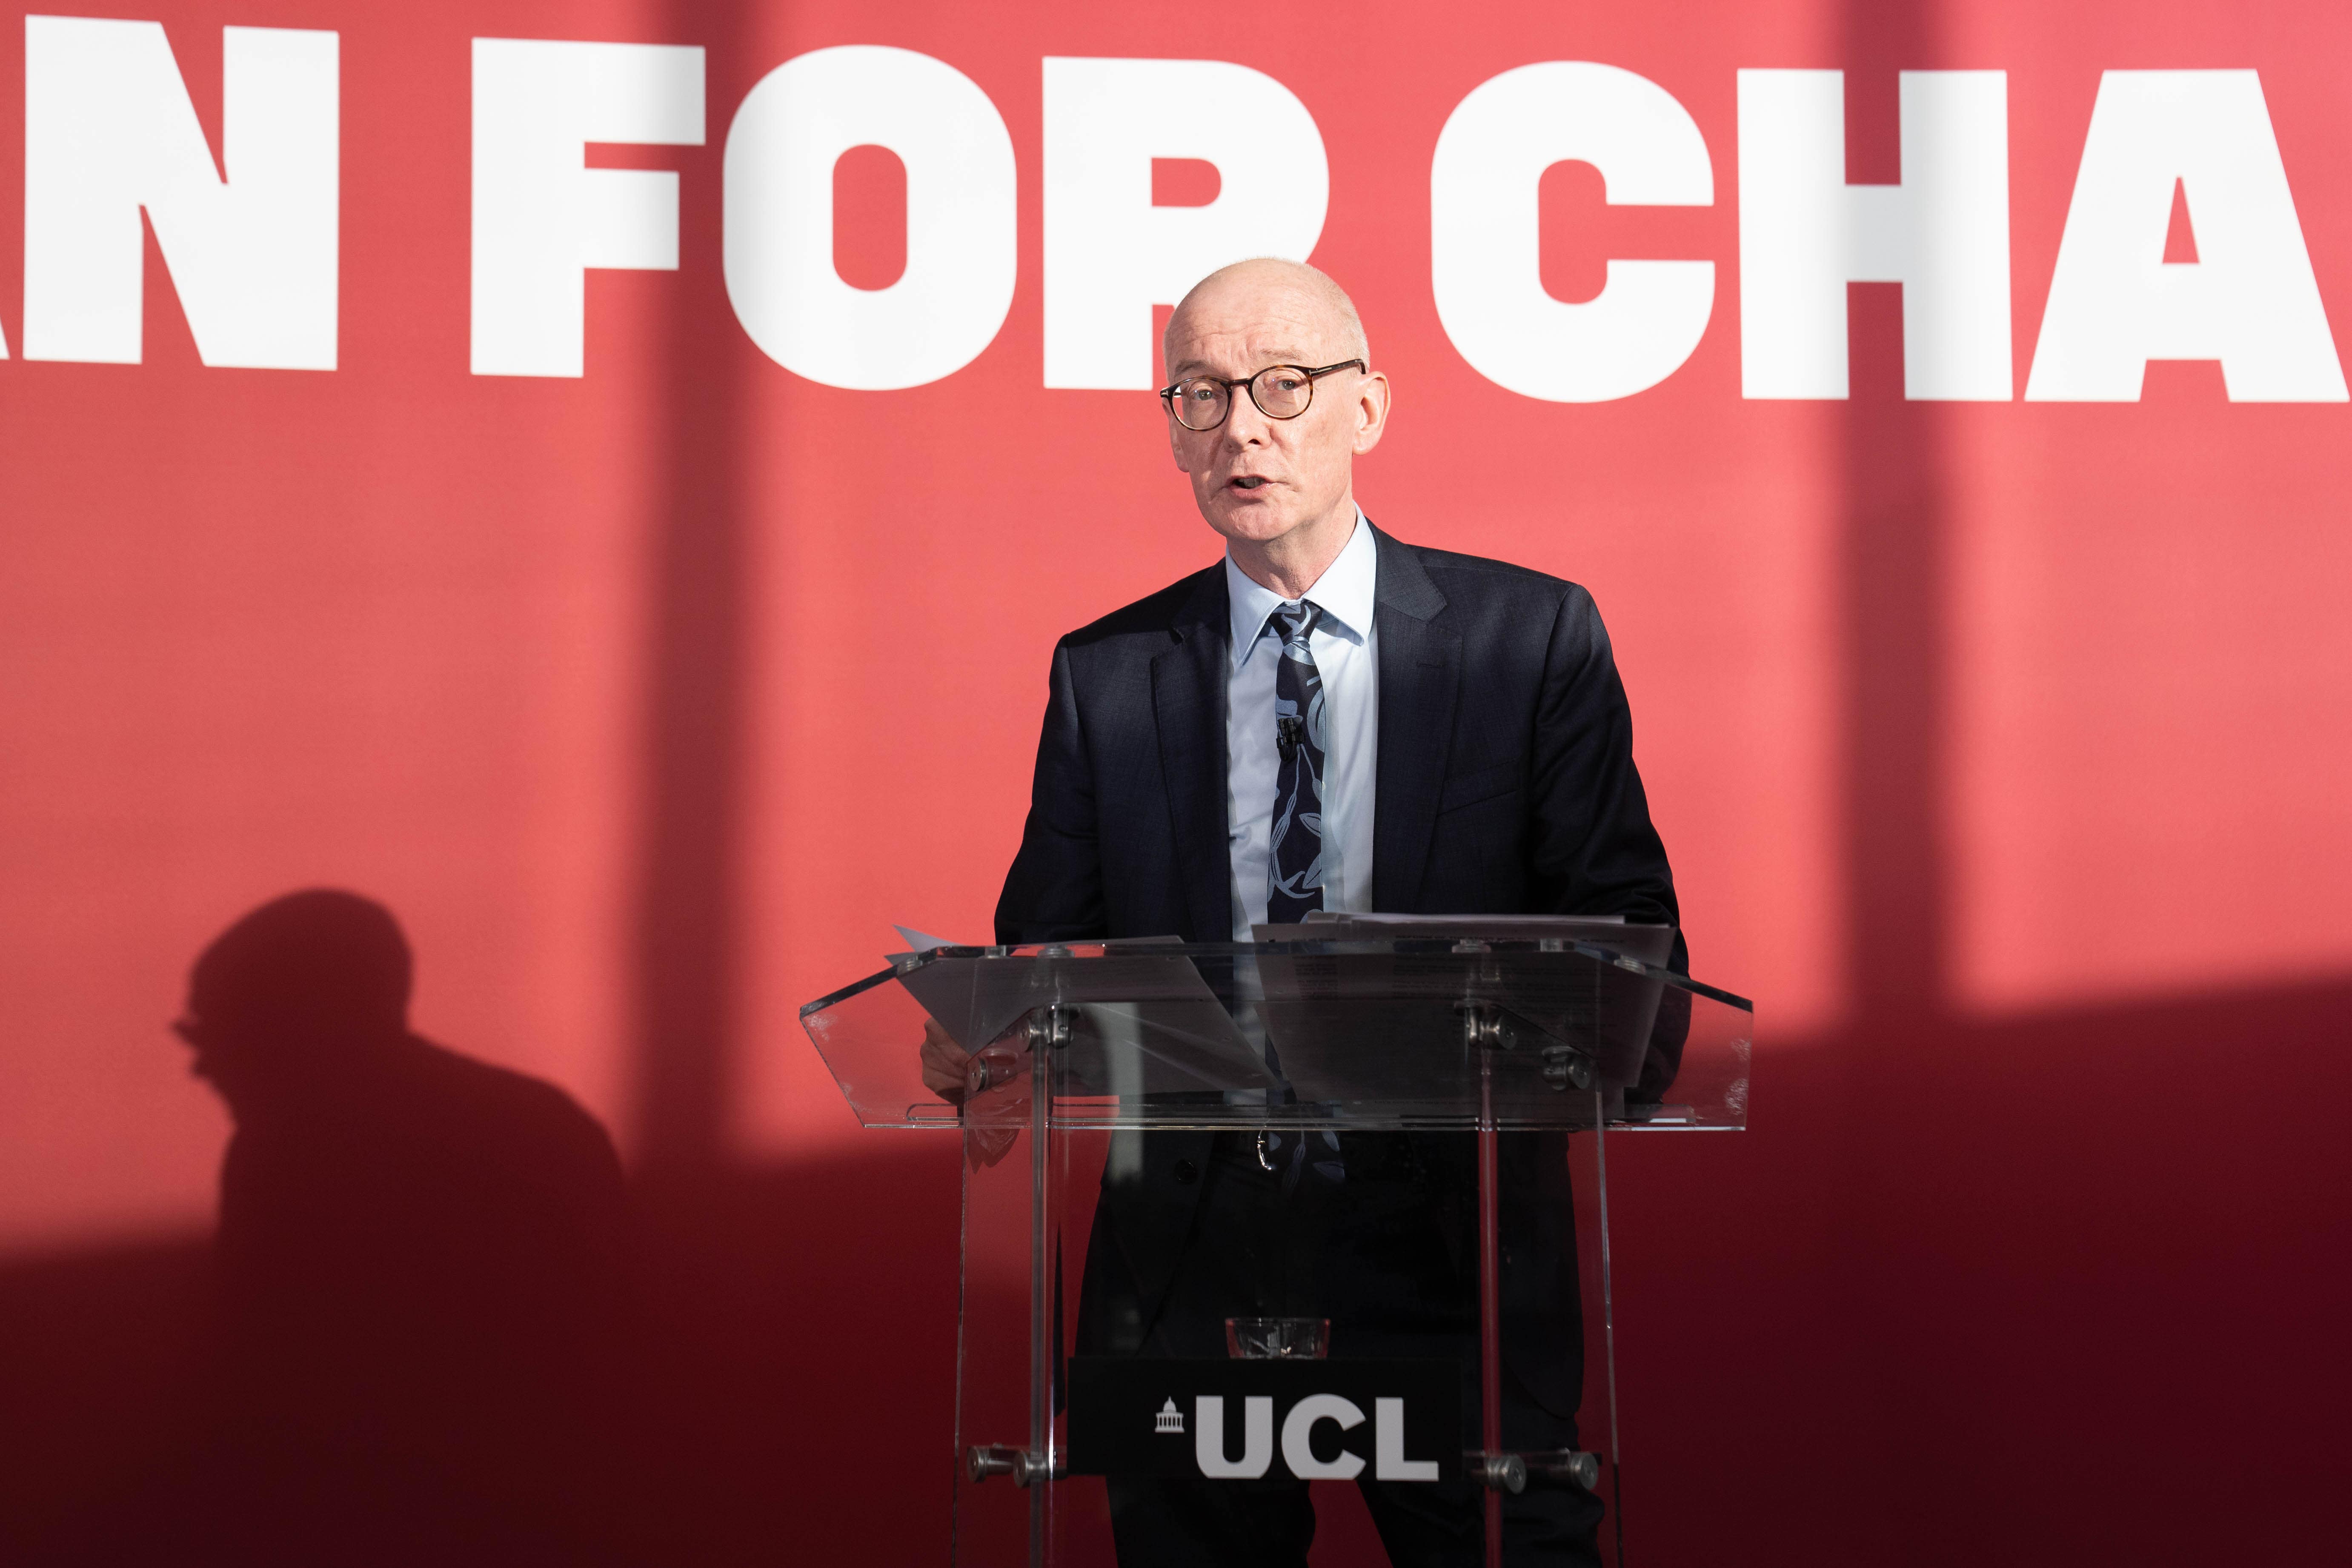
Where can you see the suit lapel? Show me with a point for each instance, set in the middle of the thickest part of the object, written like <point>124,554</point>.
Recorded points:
<point>1188,702</point>
<point>1421,678</point>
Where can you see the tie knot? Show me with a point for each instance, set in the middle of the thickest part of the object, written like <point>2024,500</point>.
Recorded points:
<point>1293,623</point>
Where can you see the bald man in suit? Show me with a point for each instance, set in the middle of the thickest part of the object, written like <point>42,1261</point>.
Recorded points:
<point>1328,718</point>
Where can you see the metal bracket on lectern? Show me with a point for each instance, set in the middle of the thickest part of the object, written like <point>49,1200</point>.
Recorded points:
<point>1565,1066</point>
<point>1487,1026</point>
<point>1026,1468</point>
<point>1044,1029</point>
<point>1049,1027</point>
<point>1566,1465</point>
<point>1501,1472</point>
<point>1509,1472</point>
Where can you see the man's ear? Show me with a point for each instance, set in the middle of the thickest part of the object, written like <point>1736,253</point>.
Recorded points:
<point>1371,412</point>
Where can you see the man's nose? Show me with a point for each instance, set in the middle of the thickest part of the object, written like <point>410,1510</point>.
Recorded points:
<point>1244,426</point>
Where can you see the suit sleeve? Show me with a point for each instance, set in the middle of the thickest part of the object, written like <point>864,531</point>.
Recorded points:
<point>1054,891</point>
<point>1594,850</point>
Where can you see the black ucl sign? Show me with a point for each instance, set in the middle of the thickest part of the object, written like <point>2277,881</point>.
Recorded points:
<point>1240,1420</point>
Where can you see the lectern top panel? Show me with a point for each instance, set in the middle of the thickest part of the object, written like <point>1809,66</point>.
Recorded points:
<point>1413,1032</point>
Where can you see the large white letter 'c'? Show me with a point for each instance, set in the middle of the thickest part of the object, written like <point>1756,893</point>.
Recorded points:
<point>1485,266</point>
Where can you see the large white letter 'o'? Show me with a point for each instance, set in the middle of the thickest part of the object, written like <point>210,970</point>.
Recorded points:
<point>1483,264</point>
<point>961,254</point>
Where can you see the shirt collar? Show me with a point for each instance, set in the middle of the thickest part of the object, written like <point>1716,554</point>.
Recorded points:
<point>1345,593</point>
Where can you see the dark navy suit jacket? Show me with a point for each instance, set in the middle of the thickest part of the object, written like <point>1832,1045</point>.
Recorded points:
<point>1505,783</point>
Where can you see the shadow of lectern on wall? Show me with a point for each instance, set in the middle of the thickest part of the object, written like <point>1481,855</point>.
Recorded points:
<point>1334,1206</point>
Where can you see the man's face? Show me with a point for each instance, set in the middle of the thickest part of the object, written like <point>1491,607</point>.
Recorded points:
<point>1258,478</point>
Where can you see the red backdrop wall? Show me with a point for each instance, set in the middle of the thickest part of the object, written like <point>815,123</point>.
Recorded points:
<point>2000,749</point>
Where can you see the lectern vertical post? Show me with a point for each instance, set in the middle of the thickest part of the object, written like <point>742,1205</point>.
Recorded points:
<point>1042,1351</point>
<point>1490,1309</point>
<point>1609,1332</point>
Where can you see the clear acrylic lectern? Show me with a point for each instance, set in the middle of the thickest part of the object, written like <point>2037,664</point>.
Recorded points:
<point>1241,1220</point>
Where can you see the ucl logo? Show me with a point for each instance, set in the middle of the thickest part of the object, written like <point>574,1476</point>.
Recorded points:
<point>1243,1420</point>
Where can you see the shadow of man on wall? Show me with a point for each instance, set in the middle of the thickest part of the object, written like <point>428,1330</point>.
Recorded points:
<point>419,1262</point>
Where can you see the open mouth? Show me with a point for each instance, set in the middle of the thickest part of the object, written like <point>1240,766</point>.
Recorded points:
<point>1246,483</point>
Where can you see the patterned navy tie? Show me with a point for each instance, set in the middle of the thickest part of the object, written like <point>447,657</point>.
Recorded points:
<point>1293,871</point>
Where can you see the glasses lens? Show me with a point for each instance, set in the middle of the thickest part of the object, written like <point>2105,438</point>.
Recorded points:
<point>1282,392</point>
<point>1199,404</point>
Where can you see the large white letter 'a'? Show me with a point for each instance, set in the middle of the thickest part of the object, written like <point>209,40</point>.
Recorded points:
<point>108,130</point>
<point>2249,300</point>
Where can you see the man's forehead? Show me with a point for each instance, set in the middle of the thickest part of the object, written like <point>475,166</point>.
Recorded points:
<point>1240,335</point>
<point>1241,358</point>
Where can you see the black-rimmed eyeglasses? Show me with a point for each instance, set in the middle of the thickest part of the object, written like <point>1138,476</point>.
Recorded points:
<point>1280,391</point>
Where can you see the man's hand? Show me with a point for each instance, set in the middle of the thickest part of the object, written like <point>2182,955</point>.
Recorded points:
<point>947,1066</point>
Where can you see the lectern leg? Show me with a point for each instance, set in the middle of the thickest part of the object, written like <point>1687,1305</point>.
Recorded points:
<point>1490,1312</point>
<point>1042,1294</point>
<point>1608,1325</point>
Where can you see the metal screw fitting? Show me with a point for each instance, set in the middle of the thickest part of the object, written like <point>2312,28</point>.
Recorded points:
<point>1049,1029</point>
<point>1567,1465</point>
<point>1502,1472</point>
<point>1486,1026</point>
<point>1565,1065</point>
<point>1026,1468</point>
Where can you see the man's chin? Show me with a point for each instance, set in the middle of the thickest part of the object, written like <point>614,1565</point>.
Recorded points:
<point>1255,523</point>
